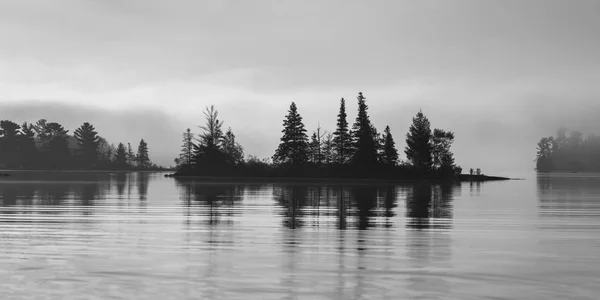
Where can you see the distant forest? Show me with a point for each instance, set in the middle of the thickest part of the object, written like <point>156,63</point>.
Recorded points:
<point>47,145</point>
<point>572,153</point>
<point>359,151</point>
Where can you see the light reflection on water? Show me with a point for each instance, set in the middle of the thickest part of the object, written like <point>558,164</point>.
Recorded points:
<point>85,235</point>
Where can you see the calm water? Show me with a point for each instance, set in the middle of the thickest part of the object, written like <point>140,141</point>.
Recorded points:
<point>142,236</point>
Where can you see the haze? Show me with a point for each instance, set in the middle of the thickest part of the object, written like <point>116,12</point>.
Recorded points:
<point>500,74</point>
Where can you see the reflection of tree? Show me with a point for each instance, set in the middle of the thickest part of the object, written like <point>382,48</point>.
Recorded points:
<point>389,196</point>
<point>568,195</point>
<point>365,200</point>
<point>429,206</point>
<point>142,184</point>
<point>212,200</point>
<point>293,200</point>
<point>121,180</point>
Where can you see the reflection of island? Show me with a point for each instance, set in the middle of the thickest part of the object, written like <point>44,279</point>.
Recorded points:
<point>364,205</point>
<point>568,195</point>
<point>429,206</point>
<point>210,200</point>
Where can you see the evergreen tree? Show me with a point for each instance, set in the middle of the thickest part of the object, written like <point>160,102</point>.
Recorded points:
<point>293,148</point>
<point>27,146</point>
<point>10,154</point>
<point>143,160</point>
<point>342,139</point>
<point>328,149</point>
<point>187,148</point>
<point>87,140</point>
<point>54,143</point>
<point>315,149</point>
<point>121,156</point>
<point>390,154</point>
<point>130,155</point>
<point>232,148</point>
<point>418,143</point>
<point>213,134</point>
<point>363,136</point>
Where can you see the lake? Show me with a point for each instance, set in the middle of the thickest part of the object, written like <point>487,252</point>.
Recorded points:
<point>92,235</point>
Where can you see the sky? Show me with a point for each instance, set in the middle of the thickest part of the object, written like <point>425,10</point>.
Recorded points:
<point>500,74</point>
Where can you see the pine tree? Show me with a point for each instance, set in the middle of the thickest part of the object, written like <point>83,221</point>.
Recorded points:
<point>10,154</point>
<point>390,154</point>
<point>130,155</point>
<point>55,144</point>
<point>187,148</point>
<point>418,143</point>
<point>121,156</point>
<point>232,148</point>
<point>363,136</point>
<point>87,140</point>
<point>142,155</point>
<point>27,146</point>
<point>293,148</point>
<point>213,134</point>
<point>328,149</point>
<point>342,139</point>
<point>315,149</point>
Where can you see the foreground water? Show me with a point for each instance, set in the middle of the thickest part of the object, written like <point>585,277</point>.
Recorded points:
<point>142,236</point>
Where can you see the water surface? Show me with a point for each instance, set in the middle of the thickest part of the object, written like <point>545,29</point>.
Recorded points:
<point>86,235</point>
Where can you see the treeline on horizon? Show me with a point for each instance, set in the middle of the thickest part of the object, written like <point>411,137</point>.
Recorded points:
<point>357,152</point>
<point>47,145</point>
<point>570,153</point>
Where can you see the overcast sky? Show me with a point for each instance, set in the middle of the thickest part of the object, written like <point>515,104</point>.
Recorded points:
<point>500,74</point>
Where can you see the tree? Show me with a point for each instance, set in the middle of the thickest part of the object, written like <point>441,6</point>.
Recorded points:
<point>544,154</point>
<point>130,155</point>
<point>143,160</point>
<point>328,149</point>
<point>232,148</point>
<point>418,143</point>
<point>187,148</point>
<point>390,154</point>
<point>315,145</point>
<point>121,156</point>
<point>363,137</point>
<point>27,147</point>
<point>213,134</point>
<point>443,158</point>
<point>87,140</point>
<point>10,154</point>
<point>55,145</point>
<point>342,139</point>
<point>293,148</point>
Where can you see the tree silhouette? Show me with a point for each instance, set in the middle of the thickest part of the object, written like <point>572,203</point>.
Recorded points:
<point>233,148</point>
<point>342,139</point>
<point>363,135</point>
<point>29,154</point>
<point>328,149</point>
<point>212,135</point>
<point>131,158</point>
<point>568,153</point>
<point>9,144</point>
<point>143,160</point>
<point>418,143</point>
<point>121,156</point>
<point>390,154</point>
<point>87,140</point>
<point>443,159</point>
<point>55,145</point>
<point>187,148</point>
<point>293,148</point>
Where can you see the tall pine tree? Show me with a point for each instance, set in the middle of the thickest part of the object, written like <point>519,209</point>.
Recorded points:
<point>389,152</point>
<point>363,137</point>
<point>342,139</point>
<point>121,156</point>
<point>143,160</point>
<point>87,140</point>
<point>418,143</point>
<point>187,148</point>
<point>293,148</point>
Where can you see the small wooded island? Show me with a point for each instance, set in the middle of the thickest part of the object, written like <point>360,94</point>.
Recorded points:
<point>572,153</point>
<point>360,152</point>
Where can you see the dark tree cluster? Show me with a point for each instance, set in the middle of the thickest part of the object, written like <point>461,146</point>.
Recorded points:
<point>48,145</point>
<point>568,153</point>
<point>359,152</point>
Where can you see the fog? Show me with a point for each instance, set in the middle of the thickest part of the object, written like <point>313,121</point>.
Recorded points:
<point>499,74</point>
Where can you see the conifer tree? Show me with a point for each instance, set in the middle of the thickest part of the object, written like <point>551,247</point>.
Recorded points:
<point>363,136</point>
<point>87,140</point>
<point>142,155</point>
<point>232,148</point>
<point>187,148</point>
<point>342,139</point>
<point>418,143</point>
<point>121,156</point>
<point>390,154</point>
<point>293,148</point>
<point>130,155</point>
<point>27,146</point>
